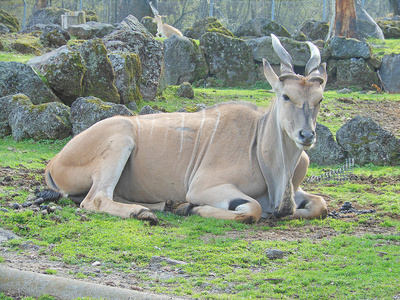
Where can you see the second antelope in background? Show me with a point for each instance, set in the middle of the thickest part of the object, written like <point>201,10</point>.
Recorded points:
<point>165,30</point>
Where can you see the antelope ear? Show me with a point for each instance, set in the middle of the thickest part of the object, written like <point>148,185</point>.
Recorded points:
<point>271,76</point>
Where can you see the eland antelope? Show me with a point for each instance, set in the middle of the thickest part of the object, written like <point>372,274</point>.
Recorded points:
<point>165,30</point>
<point>230,161</point>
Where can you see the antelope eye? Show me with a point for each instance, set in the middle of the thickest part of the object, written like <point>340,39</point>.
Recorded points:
<point>286,97</point>
<point>320,100</point>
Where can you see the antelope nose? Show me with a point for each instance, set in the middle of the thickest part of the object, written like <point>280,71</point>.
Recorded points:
<point>307,136</point>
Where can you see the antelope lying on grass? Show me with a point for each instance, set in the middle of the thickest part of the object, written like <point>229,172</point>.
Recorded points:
<point>165,30</point>
<point>230,161</point>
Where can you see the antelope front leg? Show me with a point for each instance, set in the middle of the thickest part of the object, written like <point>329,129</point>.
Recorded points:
<point>224,202</point>
<point>309,206</point>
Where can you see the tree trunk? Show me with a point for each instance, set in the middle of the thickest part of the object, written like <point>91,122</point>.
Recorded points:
<point>395,5</point>
<point>345,23</point>
<point>40,4</point>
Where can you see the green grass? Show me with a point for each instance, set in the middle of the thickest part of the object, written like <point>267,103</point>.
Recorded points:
<point>28,153</point>
<point>9,56</point>
<point>388,46</point>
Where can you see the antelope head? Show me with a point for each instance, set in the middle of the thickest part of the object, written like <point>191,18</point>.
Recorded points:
<point>298,97</point>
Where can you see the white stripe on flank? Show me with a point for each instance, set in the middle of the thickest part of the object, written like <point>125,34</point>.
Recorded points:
<point>138,124</point>
<point>202,122</point>
<point>182,128</point>
<point>152,127</point>
<point>215,127</point>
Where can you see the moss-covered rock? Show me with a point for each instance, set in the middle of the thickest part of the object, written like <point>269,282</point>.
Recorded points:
<point>185,90</point>
<point>367,142</point>
<point>25,48</point>
<point>43,121</point>
<point>183,61</point>
<point>9,21</point>
<point>315,30</point>
<point>150,25</point>
<point>99,77</point>
<point>16,77</point>
<point>230,60</point>
<point>86,111</point>
<point>204,26</point>
<point>354,72</point>
<point>150,52</point>
<point>128,71</point>
<point>48,15</point>
<point>64,69</point>
<point>259,27</point>
<point>90,15</point>
<point>390,29</point>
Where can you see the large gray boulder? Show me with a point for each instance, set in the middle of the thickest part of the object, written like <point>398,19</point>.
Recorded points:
<point>344,48</point>
<point>367,142</point>
<point>132,23</point>
<point>128,71</point>
<point>230,60</point>
<point>262,48</point>
<point>367,27</point>
<point>351,73</point>
<point>38,122</point>
<point>390,73</point>
<point>9,21</point>
<point>16,77</point>
<point>150,25</point>
<point>149,51</point>
<point>64,69</point>
<point>98,80</point>
<point>326,151</point>
<point>390,28</point>
<point>204,26</point>
<point>5,110</point>
<point>90,30</point>
<point>259,27</point>
<point>315,30</point>
<point>52,35</point>
<point>183,61</point>
<point>86,111</point>
<point>48,15</point>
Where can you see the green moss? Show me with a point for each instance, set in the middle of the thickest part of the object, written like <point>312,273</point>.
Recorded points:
<point>99,103</point>
<point>207,25</point>
<point>10,21</point>
<point>90,15</point>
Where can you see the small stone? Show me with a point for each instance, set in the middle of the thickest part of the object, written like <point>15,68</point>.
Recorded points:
<point>44,212</point>
<point>84,218</point>
<point>27,204</point>
<point>4,209</point>
<point>96,264</point>
<point>52,209</point>
<point>274,253</point>
<point>38,201</point>
<point>16,206</point>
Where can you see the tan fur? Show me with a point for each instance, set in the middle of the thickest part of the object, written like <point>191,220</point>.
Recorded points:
<point>231,161</point>
<point>165,30</point>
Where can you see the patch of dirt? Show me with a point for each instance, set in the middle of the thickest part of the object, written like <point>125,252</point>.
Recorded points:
<point>30,257</point>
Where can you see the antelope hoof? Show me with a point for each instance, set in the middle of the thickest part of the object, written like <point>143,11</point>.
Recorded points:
<point>146,215</point>
<point>180,208</point>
